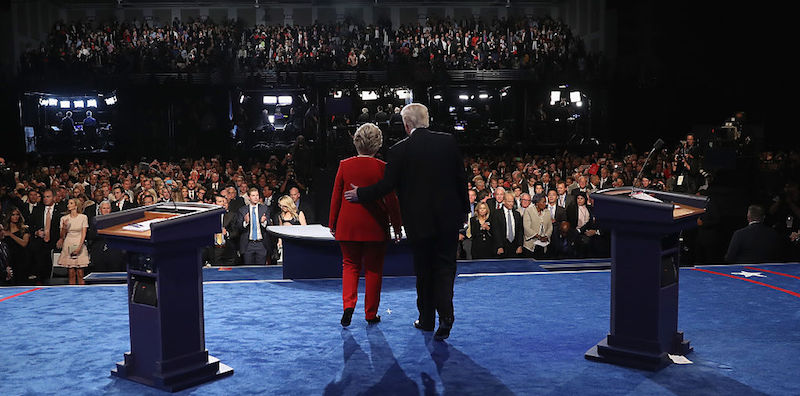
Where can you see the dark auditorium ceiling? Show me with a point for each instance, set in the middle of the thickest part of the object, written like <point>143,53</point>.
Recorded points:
<point>311,2</point>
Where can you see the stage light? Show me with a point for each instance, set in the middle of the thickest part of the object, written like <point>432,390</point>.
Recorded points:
<point>337,94</point>
<point>64,104</point>
<point>110,101</point>
<point>91,103</point>
<point>563,86</point>
<point>241,99</point>
<point>270,100</point>
<point>575,96</point>
<point>451,109</point>
<point>403,94</point>
<point>555,97</point>
<point>368,95</point>
<point>459,127</point>
<point>305,98</point>
<point>43,102</point>
<point>579,104</point>
<point>78,104</point>
<point>504,94</point>
<point>483,96</point>
<point>463,97</point>
<point>284,100</point>
<point>437,97</point>
<point>467,108</point>
<point>271,119</point>
<point>52,102</point>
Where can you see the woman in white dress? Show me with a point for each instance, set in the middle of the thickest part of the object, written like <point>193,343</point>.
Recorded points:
<point>73,235</point>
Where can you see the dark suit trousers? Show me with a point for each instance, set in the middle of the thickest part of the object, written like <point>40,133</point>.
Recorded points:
<point>435,268</point>
<point>254,253</point>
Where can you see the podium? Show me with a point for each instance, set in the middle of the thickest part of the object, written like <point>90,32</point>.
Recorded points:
<point>165,292</point>
<point>645,249</point>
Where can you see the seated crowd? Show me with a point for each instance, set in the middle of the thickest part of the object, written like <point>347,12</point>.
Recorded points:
<point>537,206</point>
<point>514,43</point>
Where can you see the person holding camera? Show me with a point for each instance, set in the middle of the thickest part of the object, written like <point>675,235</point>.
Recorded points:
<point>74,254</point>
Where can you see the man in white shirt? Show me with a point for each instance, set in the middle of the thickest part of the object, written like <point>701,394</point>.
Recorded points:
<point>507,229</point>
<point>254,241</point>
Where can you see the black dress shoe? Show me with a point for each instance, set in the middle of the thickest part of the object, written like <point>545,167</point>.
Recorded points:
<point>347,316</point>
<point>419,325</point>
<point>442,332</point>
<point>374,320</point>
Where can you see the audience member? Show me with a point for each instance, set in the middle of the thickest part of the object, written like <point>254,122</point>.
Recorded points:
<point>538,227</point>
<point>756,243</point>
<point>507,229</point>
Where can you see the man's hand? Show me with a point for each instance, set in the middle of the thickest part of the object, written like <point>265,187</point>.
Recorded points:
<point>500,251</point>
<point>247,218</point>
<point>519,250</point>
<point>264,218</point>
<point>224,231</point>
<point>352,195</point>
<point>544,239</point>
<point>591,233</point>
<point>333,232</point>
<point>461,237</point>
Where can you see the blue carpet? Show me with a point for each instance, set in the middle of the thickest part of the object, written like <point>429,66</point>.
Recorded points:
<point>514,334</point>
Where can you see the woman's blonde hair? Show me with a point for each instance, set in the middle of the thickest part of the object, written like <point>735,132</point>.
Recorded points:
<point>368,139</point>
<point>478,210</point>
<point>287,202</point>
<point>415,115</point>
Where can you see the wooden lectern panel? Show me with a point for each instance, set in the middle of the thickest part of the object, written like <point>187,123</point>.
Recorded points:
<point>681,211</point>
<point>117,230</point>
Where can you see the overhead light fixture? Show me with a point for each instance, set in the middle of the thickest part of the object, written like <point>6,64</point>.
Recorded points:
<point>91,103</point>
<point>451,109</point>
<point>337,94</point>
<point>284,100</point>
<point>64,104</point>
<point>241,99</point>
<point>579,104</point>
<point>463,97</point>
<point>555,97</point>
<point>270,100</point>
<point>467,108</point>
<point>437,97</point>
<point>271,119</point>
<point>52,102</point>
<point>575,96</point>
<point>369,95</point>
<point>483,96</point>
<point>110,101</point>
<point>504,94</point>
<point>78,104</point>
<point>403,93</point>
<point>43,101</point>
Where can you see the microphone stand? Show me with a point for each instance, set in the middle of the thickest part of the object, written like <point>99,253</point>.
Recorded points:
<point>656,146</point>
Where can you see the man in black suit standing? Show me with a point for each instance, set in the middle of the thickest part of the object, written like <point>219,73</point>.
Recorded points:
<point>496,203</point>
<point>235,201</point>
<point>45,223</point>
<point>507,229</point>
<point>426,164</point>
<point>252,222</point>
<point>121,201</point>
<point>223,251</point>
<point>756,243</point>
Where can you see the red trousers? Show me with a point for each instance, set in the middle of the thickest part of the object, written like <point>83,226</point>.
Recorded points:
<point>369,256</point>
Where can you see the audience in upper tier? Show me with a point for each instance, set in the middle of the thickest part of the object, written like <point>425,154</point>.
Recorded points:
<point>543,44</point>
<point>527,205</point>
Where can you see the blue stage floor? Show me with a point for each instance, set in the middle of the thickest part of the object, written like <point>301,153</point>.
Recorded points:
<point>518,330</point>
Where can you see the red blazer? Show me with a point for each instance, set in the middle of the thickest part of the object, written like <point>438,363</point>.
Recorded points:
<point>357,221</point>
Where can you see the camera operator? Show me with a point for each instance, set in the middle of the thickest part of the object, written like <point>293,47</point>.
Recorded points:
<point>688,158</point>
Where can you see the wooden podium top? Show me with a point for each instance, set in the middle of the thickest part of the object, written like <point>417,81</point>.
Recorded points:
<point>117,230</point>
<point>679,210</point>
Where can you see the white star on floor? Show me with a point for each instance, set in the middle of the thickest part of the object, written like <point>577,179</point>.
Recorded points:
<point>749,274</point>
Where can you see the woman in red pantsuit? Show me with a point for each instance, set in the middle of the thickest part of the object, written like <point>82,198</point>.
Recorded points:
<point>362,229</point>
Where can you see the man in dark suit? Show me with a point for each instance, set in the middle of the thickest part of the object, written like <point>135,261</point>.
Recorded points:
<point>507,229</point>
<point>121,201</point>
<point>253,219</point>
<point>45,225</point>
<point>563,243</point>
<point>756,243</point>
<point>426,164</point>
<point>303,204</point>
<point>496,203</point>
<point>565,199</point>
<point>557,213</point>
<point>235,201</point>
<point>223,251</point>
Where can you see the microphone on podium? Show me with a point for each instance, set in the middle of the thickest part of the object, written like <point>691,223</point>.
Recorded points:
<point>658,145</point>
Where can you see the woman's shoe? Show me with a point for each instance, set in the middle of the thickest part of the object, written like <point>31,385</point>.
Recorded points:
<point>347,316</point>
<point>374,320</point>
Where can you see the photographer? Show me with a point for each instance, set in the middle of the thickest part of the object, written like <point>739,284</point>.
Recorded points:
<point>688,157</point>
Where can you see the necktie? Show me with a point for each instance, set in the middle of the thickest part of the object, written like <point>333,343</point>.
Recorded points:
<point>47,217</point>
<point>219,239</point>
<point>509,227</point>
<point>561,200</point>
<point>253,224</point>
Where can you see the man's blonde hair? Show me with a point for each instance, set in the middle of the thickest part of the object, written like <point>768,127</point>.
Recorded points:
<point>415,115</point>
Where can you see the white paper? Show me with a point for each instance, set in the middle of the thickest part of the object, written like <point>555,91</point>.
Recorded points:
<point>142,225</point>
<point>645,197</point>
<point>678,359</point>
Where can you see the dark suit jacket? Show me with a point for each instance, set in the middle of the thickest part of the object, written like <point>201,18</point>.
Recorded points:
<point>236,203</point>
<point>755,243</point>
<point>563,247</point>
<point>498,220</point>
<point>307,207</point>
<point>569,199</point>
<point>244,231</point>
<point>125,206</point>
<point>424,165</point>
<point>492,203</point>
<point>561,215</point>
<point>572,218</point>
<point>37,223</point>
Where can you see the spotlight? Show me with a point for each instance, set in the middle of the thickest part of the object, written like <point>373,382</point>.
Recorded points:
<point>451,109</point>
<point>403,93</point>
<point>78,104</point>
<point>579,103</point>
<point>241,99</point>
<point>368,95</point>
<point>284,100</point>
<point>64,104</point>
<point>463,97</point>
<point>52,102</point>
<point>271,119</point>
<point>503,94</point>
<point>91,103</point>
<point>483,96</point>
<point>437,97</point>
<point>110,101</point>
<point>270,100</point>
<point>467,108</point>
<point>555,97</point>
<point>337,94</point>
<point>575,96</point>
<point>43,102</point>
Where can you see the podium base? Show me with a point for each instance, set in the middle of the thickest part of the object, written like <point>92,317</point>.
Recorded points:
<point>176,380</point>
<point>634,358</point>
